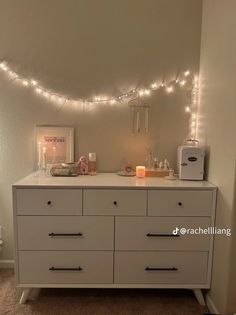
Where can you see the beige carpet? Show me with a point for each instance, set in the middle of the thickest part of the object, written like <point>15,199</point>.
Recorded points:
<point>97,301</point>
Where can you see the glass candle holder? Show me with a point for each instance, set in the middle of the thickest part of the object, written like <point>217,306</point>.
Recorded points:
<point>140,171</point>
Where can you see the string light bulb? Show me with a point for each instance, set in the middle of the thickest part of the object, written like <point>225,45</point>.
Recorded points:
<point>187,73</point>
<point>13,74</point>
<point>182,83</point>
<point>25,82</point>
<point>188,109</point>
<point>3,66</point>
<point>169,89</point>
<point>141,92</point>
<point>38,90</point>
<point>33,82</point>
<point>154,86</point>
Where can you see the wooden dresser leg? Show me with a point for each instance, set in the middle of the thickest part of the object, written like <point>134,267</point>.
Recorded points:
<point>199,296</point>
<point>25,295</point>
<point>35,293</point>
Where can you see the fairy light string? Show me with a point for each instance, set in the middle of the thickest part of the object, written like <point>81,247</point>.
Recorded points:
<point>183,80</point>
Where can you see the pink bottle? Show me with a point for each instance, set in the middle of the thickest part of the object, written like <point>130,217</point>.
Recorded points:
<point>92,164</point>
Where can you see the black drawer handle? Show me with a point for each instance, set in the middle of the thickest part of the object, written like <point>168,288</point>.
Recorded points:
<point>161,269</point>
<point>64,234</point>
<point>49,202</point>
<point>162,235</point>
<point>65,269</point>
<point>180,204</point>
<point>115,203</point>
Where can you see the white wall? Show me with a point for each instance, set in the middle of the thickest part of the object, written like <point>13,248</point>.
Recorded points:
<point>217,130</point>
<point>83,48</point>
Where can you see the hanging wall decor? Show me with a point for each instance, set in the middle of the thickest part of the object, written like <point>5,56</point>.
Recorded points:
<point>140,115</point>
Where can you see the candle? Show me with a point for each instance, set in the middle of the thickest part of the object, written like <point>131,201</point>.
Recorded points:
<point>44,158</point>
<point>138,122</point>
<point>54,155</point>
<point>140,171</point>
<point>146,119</point>
<point>39,155</point>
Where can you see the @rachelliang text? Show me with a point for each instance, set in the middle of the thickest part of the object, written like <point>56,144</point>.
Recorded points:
<point>211,230</point>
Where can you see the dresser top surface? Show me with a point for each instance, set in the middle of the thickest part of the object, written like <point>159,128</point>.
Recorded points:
<point>108,180</point>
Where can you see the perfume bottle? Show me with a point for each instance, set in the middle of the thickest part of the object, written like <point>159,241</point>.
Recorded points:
<point>166,165</point>
<point>150,161</point>
<point>92,164</point>
<point>155,163</point>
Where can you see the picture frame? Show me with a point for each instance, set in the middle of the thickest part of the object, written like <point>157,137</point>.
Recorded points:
<point>54,145</point>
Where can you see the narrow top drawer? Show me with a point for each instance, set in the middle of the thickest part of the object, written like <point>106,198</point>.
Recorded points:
<point>180,202</point>
<point>114,202</point>
<point>49,201</point>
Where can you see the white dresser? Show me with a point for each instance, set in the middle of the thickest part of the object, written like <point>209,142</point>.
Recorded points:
<point>107,231</point>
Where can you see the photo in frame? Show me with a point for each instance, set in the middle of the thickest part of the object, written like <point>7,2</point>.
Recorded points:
<point>54,145</point>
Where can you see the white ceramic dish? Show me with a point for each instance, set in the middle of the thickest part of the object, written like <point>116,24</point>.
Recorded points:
<point>171,177</point>
<point>124,173</point>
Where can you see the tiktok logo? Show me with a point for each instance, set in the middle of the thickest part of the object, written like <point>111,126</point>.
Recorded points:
<point>175,231</point>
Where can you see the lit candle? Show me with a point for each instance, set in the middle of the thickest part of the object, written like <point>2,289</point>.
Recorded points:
<point>140,171</point>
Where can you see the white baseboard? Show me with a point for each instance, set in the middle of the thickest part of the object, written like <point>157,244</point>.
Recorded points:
<point>6,263</point>
<point>211,305</point>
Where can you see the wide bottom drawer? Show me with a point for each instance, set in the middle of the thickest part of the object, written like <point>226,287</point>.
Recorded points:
<point>161,267</point>
<point>65,267</point>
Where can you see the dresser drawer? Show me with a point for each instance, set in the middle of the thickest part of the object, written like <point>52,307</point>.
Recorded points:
<point>161,267</point>
<point>65,233</point>
<point>140,233</point>
<point>115,202</point>
<point>42,267</point>
<point>49,201</point>
<point>180,202</point>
